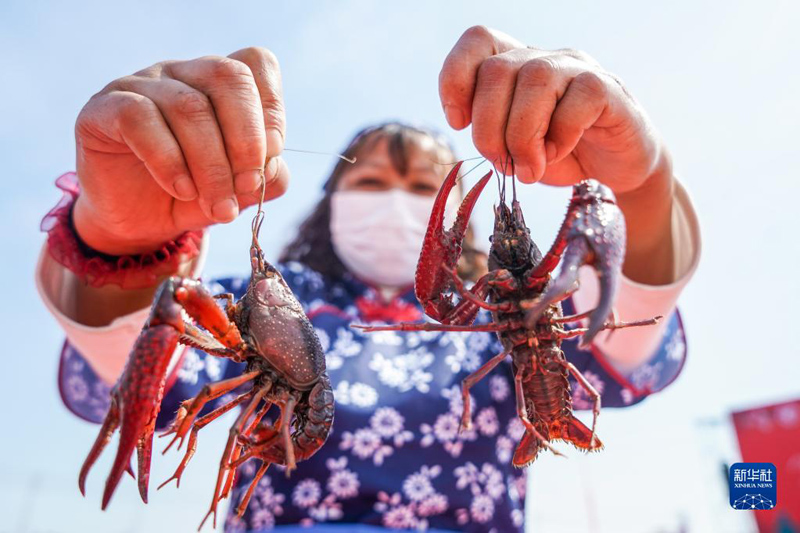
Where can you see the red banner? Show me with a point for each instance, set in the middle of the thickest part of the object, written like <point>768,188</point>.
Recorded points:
<point>771,434</point>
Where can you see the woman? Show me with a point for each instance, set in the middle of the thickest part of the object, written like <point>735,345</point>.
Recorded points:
<point>187,141</point>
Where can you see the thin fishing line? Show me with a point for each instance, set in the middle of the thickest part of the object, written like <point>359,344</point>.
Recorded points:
<point>473,168</point>
<point>513,180</point>
<point>437,162</point>
<point>259,218</point>
<point>351,160</point>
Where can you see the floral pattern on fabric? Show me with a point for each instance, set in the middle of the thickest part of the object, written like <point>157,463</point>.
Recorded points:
<point>395,457</point>
<point>379,440</point>
<point>418,501</point>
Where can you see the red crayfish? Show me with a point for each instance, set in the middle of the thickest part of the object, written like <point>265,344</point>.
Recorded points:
<point>524,301</point>
<point>285,366</point>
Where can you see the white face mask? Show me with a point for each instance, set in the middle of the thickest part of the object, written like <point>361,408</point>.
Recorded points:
<point>378,235</point>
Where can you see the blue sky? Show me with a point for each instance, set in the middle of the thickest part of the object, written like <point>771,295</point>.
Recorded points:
<point>717,78</point>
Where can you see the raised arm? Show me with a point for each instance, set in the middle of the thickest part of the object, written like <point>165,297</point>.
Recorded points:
<point>176,147</point>
<point>561,117</point>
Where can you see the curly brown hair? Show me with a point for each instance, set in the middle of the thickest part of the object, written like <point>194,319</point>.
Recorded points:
<point>312,245</point>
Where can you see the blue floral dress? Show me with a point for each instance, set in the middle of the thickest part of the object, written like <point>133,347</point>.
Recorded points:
<point>394,458</point>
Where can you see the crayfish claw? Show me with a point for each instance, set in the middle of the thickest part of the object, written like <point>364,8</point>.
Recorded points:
<point>110,425</point>
<point>145,453</point>
<point>564,285</point>
<point>136,399</point>
<point>130,471</point>
<point>441,248</point>
<point>593,233</point>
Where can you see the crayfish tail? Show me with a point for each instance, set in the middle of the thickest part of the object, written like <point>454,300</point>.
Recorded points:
<point>527,450</point>
<point>576,432</point>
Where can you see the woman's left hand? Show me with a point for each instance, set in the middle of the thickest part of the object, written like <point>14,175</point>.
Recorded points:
<point>558,114</point>
<point>562,118</point>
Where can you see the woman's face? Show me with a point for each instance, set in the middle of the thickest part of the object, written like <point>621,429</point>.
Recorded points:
<point>379,215</point>
<point>374,170</point>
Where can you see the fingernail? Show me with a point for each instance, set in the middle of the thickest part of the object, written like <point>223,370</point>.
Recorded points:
<point>455,117</point>
<point>247,181</point>
<point>274,142</point>
<point>552,151</point>
<point>225,210</point>
<point>184,188</point>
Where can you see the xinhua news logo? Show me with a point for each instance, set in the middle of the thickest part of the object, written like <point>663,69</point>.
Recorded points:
<point>753,486</point>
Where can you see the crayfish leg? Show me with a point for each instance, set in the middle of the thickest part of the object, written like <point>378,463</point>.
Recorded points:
<point>196,427</point>
<point>249,494</point>
<point>427,326</point>
<point>610,326</point>
<point>286,416</point>
<point>574,433</point>
<point>190,449</point>
<point>237,458</point>
<point>470,381</point>
<point>228,487</point>
<point>225,460</point>
<point>210,392</point>
<point>473,300</point>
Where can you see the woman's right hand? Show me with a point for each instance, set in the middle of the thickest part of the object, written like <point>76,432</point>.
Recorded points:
<point>176,147</point>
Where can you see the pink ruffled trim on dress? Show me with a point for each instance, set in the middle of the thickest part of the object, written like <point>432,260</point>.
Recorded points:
<point>127,271</point>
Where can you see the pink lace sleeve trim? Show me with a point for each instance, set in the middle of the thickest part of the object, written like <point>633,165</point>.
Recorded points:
<point>98,269</point>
